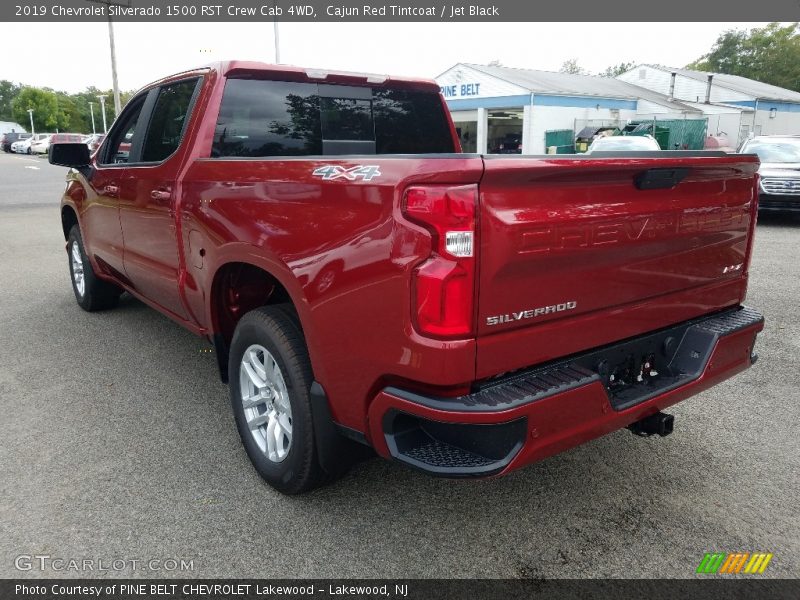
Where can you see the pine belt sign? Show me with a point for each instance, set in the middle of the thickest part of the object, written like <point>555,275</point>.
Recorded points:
<point>461,90</point>
<point>464,82</point>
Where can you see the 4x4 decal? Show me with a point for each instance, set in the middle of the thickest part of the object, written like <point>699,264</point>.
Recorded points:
<point>365,172</point>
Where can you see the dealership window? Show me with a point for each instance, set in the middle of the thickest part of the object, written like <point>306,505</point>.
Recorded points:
<point>505,131</point>
<point>468,135</point>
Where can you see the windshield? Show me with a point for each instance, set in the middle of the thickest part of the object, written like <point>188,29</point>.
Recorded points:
<point>624,143</point>
<point>775,151</point>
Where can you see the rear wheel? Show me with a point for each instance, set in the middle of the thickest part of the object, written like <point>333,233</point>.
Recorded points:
<point>270,380</point>
<point>91,292</point>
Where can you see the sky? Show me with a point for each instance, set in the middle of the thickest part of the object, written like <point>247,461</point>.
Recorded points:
<point>72,57</point>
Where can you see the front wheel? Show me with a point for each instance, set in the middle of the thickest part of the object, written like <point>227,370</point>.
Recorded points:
<point>90,292</point>
<point>270,380</point>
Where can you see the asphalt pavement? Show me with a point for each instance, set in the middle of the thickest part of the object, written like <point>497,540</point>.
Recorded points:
<point>117,443</point>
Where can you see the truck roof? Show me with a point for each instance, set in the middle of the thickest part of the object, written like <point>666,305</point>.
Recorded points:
<point>232,68</point>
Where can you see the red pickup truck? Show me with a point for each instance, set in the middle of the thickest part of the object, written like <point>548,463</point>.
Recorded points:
<point>364,282</point>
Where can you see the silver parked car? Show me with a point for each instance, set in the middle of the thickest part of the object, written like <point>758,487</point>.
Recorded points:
<point>780,171</point>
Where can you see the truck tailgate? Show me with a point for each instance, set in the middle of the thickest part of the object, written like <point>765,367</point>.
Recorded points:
<point>576,253</point>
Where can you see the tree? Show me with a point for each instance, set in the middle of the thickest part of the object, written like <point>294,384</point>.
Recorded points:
<point>44,105</point>
<point>770,54</point>
<point>70,117</point>
<point>617,69</point>
<point>55,110</point>
<point>79,110</point>
<point>571,66</point>
<point>8,91</point>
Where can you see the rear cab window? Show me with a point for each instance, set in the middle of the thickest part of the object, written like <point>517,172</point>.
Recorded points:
<point>265,118</point>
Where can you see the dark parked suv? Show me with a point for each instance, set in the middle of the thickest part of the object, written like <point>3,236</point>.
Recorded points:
<point>779,187</point>
<point>11,137</point>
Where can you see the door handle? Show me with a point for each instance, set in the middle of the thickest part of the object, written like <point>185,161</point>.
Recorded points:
<point>160,195</point>
<point>111,190</point>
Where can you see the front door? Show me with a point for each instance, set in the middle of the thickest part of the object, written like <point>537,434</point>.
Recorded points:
<point>100,217</point>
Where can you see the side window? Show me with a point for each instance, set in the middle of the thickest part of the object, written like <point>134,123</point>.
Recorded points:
<point>169,118</point>
<point>118,144</point>
<point>268,118</point>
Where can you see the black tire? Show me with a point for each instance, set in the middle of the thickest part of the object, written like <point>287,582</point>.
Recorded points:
<point>275,328</point>
<point>97,294</point>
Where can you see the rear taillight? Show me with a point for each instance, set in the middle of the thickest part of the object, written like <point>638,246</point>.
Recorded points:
<point>443,286</point>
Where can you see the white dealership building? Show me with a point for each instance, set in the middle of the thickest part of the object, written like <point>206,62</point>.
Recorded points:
<point>503,109</point>
<point>770,110</point>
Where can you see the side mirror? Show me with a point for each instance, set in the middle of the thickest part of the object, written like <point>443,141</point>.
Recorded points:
<point>75,155</point>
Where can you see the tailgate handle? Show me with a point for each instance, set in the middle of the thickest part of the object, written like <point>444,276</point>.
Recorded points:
<point>659,179</point>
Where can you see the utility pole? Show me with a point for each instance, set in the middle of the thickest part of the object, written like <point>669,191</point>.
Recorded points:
<point>56,94</point>
<point>103,110</point>
<point>30,112</point>
<point>277,45</point>
<point>91,110</point>
<point>277,37</point>
<point>115,84</point>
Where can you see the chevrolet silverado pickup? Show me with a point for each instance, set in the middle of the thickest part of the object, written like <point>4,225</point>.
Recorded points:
<point>366,284</point>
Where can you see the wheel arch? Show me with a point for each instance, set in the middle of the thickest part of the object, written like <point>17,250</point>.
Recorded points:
<point>243,284</point>
<point>69,218</point>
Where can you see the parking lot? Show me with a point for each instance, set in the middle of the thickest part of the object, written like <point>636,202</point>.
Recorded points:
<point>117,442</point>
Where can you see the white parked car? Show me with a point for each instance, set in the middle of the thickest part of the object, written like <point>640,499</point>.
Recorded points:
<point>41,143</point>
<point>93,141</point>
<point>22,145</point>
<point>624,143</point>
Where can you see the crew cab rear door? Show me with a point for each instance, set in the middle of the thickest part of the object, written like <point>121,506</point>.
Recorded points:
<point>147,204</point>
<point>578,252</point>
